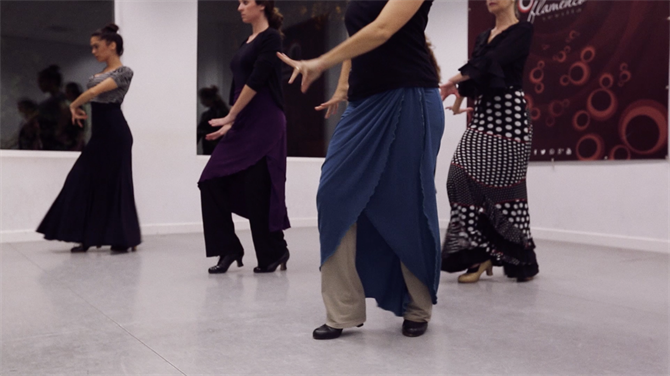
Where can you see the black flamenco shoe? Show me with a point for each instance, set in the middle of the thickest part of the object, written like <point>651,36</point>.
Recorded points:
<point>118,250</point>
<point>326,332</point>
<point>413,328</point>
<point>79,249</point>
<point>272,267</point>
<point>225,262</point>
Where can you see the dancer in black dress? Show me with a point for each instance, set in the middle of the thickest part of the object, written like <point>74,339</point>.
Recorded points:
<point>97,205</point>
<point>490,223</point>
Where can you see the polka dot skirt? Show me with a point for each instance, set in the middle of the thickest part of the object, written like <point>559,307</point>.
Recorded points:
<point>487,180</point>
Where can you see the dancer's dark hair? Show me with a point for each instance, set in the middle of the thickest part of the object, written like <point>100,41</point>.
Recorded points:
<point>275,18</point>
<point>109,34</point>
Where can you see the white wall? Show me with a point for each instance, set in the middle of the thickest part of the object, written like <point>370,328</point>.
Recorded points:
<point>612,203</point>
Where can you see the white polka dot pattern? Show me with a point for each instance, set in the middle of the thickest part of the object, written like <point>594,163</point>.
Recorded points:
<point>487,180</point>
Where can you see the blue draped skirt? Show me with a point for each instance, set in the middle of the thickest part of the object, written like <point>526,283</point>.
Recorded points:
<point>379,173</point>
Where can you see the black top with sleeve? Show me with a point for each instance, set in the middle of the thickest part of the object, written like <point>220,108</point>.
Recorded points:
<point>256,65</point>
<point>497,66</point>
<point>403,61</point>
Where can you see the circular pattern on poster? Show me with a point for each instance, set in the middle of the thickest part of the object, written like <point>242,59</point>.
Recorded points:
<point>529,101</point>
<point>624,77</point>
<point>590,147</point>
<point>619,152</point>
<point>556,108</point>
<point>535,113</point>
<point>539,88</point>
<point>643,126</point>
<point>564,80</point>
<point>581,120</point>
<point>560,57</point>
<point>606,81</point>
<point>579,73</point>
<point>551,121</point>
<point>536,75</point>
<point>602,104</point>
<point>588,54</point>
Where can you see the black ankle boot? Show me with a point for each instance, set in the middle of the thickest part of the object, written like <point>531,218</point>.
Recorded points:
<point>272,267</point>
<point>224,263</point>
<point>79,249</point>
<point>413,328</point>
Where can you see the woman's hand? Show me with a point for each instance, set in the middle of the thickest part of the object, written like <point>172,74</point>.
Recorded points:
<point>448,89</point>
<point>78,115</point>
<point>333,104</point>
<point>310,70</point>
<point>220,133</point>
<point>220,122</point>
<point>456,108</point>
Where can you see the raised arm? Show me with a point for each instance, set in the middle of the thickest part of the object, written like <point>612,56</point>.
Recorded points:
<point>78,114</point>
<point>393,17</point>
<point>263,68</point>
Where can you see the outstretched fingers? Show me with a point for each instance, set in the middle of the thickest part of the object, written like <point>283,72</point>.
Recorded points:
<point>292,63</point>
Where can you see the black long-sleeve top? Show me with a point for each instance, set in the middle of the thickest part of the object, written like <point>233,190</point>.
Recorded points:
<point>497,66</point>
<point>256,65</point>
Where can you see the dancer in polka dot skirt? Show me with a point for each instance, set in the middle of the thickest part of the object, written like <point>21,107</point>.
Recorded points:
<point>490,224</point>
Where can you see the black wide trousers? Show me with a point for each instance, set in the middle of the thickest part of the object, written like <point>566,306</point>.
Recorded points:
<point>246,193</point>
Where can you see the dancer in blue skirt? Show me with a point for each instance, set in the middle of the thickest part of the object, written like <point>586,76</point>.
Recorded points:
<point>377,208</point>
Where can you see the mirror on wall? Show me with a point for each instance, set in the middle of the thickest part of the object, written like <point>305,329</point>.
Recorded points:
<point>45,62</point>
<point>310,28</point>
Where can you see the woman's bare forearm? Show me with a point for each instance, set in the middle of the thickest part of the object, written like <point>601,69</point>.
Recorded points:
<point>243,100</point>
<point>458,78</point>
<point>396,14</point>
<point>343,82</point>
<point>84,98</point>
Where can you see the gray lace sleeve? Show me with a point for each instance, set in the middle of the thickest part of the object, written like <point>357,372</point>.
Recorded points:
<point>122,77</point>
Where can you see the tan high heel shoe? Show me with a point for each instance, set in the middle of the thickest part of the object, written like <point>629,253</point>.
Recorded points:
<point>473,276</point>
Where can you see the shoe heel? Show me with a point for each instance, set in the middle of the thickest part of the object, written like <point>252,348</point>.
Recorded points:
<point>239,262</point>
<point>489,271</point>
<point>133,249</point>
<point>282,266</point>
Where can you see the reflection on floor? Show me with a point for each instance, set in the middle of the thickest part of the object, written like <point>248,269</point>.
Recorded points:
<point>157,311</point>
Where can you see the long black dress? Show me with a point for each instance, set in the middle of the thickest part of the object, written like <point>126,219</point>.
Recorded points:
<point>97,204</point>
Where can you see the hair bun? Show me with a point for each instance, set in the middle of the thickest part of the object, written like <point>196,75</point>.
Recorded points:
<point>111,28</point>
<point>54,68</point>
<point>214,88</point>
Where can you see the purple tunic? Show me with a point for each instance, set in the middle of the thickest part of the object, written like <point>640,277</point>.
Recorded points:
<point>259,130</point>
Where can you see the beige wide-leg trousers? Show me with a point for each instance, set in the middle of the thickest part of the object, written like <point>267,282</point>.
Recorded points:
<point>343,292</point>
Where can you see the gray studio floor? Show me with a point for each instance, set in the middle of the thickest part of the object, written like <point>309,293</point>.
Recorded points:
<point>157,312</point>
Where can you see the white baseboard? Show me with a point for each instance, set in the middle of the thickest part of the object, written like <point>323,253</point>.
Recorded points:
<point>20,236</point>
<point>590,238</point>
<point>604,240</point>
<point>594,238</point>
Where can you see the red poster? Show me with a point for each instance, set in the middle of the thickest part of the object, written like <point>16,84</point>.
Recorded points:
<point>597,77</point>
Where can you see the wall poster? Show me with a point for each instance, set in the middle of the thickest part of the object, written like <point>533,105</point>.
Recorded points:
<point>597,77</point>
